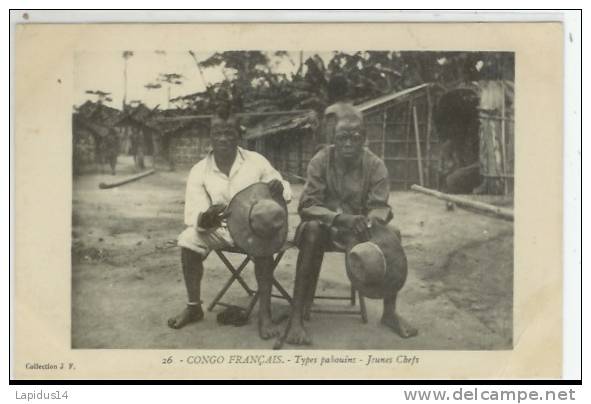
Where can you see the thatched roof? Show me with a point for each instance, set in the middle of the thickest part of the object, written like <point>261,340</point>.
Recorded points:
<point>171,127</point>
<point>275,125</point>
<point>96,118</point>
<point>368,105</point>
<point>98,113</point>
<point>137,116</point>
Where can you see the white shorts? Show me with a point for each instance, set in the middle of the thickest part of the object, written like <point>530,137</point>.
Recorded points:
<point>202,242</point>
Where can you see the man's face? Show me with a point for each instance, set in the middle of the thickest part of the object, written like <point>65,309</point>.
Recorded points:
<point>224,139</point>
<point>349,139</point>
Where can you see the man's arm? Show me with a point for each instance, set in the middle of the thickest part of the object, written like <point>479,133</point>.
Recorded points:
<point>379,192</point>
<point>312,202</point>
<point>196,197</point>
<point>268,174</point>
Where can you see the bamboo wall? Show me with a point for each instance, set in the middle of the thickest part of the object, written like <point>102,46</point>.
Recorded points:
<point>395,136</point>
<point>289,152</point>
<point>497,136</point>
<point>188,147</point>
<point>84,152</point>
<point>390,133</point>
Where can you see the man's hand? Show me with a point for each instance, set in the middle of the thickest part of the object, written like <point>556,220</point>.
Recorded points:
<point>359,224</point>
<point>276,188</point>
<point>212,217</point>
<point>375,221</point>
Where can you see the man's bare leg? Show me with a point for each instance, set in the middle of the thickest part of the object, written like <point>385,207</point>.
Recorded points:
<point>263,268</point>
<point>389,317</point>
<point>392,320</point>
<point>192,264</point>
<point>313,239</point>
<point>311,288</point>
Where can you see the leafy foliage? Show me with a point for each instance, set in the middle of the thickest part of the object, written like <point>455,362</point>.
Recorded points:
<point>252,85</point>
<point>101,96</point>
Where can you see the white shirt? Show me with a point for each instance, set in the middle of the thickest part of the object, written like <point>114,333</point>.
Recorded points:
<point>207,185</point>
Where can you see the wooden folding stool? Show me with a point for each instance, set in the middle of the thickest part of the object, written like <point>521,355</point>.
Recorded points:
<point>236,276</point>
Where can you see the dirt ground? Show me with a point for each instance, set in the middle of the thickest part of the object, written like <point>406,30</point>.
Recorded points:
<point>127,280</point>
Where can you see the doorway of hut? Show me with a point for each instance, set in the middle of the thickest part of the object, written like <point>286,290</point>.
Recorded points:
<point>457,123</point>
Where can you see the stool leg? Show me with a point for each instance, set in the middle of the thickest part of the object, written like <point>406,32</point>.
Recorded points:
<point>277,259</point>
<point>276,283</point>
<point>235,277</point>
<point>220,294</point>
<point>242,282</point>
<point>353,294</point>
<point>363,309</point>
<point>236,272</point>
<point>281,290</point>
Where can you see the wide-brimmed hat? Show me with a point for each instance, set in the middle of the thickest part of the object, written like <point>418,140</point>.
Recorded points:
<point>377,266</point>
<point>257,222</point>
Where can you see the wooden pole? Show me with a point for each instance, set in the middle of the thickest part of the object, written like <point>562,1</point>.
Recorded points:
<point>503,145</point>
<point>124,82</point>
<point>428,139</point>
<point>418,142</point>
<point>127,180</point>
<point>407,144</point>
<point>463,202</point>
<point>384,123</point>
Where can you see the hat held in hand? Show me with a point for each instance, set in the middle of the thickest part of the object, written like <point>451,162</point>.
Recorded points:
<point>257,222</point>
<point>377,266</point>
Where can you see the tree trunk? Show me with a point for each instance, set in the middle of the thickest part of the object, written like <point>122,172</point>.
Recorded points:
<point>124,83</point>
<point>140,151</point>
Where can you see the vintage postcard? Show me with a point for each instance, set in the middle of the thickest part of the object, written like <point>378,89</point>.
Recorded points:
<point>288,201</point>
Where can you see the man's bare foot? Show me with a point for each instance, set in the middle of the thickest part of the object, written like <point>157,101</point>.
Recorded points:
<point>399,325</point>
<point>191,314</point>
<point>268,329</point>
<point>297,335</point>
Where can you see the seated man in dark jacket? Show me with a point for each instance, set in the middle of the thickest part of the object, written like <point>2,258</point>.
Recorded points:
<point>346,191</point>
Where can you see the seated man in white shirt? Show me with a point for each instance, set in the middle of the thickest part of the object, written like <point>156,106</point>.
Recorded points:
<point>212,183</point>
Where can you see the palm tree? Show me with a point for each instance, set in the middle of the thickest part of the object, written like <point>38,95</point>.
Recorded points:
<point>126,55</point>
<point>170,79</point>
<point>101,96</point>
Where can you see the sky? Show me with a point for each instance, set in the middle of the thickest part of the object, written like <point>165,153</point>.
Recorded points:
<point>104,71</point>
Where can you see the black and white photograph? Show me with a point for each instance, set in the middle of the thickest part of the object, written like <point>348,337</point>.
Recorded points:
<point>285,201</point>
<point>293,199</point>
